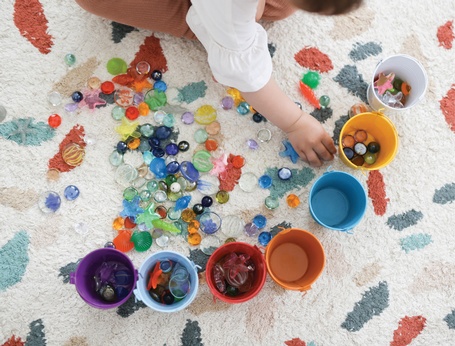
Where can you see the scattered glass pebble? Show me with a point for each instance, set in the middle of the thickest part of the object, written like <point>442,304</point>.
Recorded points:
<point>73,154</point>
<point>49,202</point>
<point>227,103</point>
<point>265,181</point>
<point>54,120</point>
<point>271,202</point>
<point>264,238</point>
<point>252,144</point>
<point>210,222</point>
<point>243,108</point>
<point>284,173</point>
<point>160,196</point>
<point>260,221</point>
<point>82,229</point>
<point>264,135</point>
<point>71,192</point>
<point>116,159</point>
<point>125,174</point>
<point>109,245</point>
<point>162,241</point>
<point>222,197</point>
<point>324,101</point>
<point>70,59</point>
<point>248,182</point>
<point>54,98</point>
<point>293,200</point>
<point>142,67</point>
<point>205,115</point>
<point>200,136</point>
<point>251,229</point>
<point>209,244</point>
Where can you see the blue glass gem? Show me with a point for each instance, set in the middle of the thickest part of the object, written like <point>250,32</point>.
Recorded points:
<point>289,151</point>
<point>123,277</point>
<point>51,203</point>
<point>77,96</point>
<point>243,108</point>
<point>188,171</point>
<point>158,152</point>
<point>122,147</point>
<point>284,173</point>
<point>173,167</point>
<point>156,75</point>
<point>206,201</point>
<point>264,238</point>
<point>260,221</point>
<point>163,132</point>
<point>265,181</point>
<point>160,86</point>
<point>258,117</point>
<point>166,266</point>
<point>154,142</point>
<point>71,192</point>
<point>158,167</point>
<point>349,153</point>
<point>172,149</point>
<point>121,292</point>
<point>182,203</point>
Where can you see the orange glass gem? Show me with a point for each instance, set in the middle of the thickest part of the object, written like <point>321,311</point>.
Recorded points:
<point>188,215</point>
<point>128,223</point>
<point>118,223</point>
<point>211,144</point>
<point>143,109</point>
<point>73,154</point>
<point>213,128</point>
<point>134,143</point>
<point>107,87</point>
<point>238,161</point>
<point>292,200</point>
<point>193,226</point>
<point>194,239</point>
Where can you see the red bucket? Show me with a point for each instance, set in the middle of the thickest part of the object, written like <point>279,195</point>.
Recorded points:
<point>260,270</point>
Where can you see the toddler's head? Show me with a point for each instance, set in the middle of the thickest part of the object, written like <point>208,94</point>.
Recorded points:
<point>327,7</point>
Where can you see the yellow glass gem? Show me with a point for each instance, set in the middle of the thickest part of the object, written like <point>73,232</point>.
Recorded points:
<point>194,239</point>
<point>236,95</point>
<point>292,200</point>
<point>73,154</point>
<point>118,223</point>
<point>188,215</point>
<point>193,226</point>
<point>230,240</point>
<point>143,108</point>
<point>222,196</point>
<point>205,115</point>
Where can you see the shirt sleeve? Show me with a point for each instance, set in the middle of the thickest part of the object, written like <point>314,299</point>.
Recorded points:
<point>236,45</point>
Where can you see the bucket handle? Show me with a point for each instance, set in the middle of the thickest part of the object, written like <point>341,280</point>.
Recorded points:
<point>73,278</point>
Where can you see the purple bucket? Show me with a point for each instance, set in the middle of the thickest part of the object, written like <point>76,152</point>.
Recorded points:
<point>84,276</point>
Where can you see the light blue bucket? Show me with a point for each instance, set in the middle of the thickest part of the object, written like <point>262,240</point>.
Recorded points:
<point>142,293</point>
<point>337,201</point>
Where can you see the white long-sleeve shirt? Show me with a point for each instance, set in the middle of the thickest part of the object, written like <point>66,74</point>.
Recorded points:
<point>236,44</point>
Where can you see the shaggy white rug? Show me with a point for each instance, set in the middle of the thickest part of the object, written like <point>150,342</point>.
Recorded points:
<point>389,282</point>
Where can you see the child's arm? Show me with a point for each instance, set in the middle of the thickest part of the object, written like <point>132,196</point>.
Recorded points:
<point>306,134</point>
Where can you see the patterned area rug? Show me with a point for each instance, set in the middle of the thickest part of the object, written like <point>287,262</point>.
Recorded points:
<point>389,280</point>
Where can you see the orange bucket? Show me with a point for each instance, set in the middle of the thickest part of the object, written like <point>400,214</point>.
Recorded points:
<point>295,259</point>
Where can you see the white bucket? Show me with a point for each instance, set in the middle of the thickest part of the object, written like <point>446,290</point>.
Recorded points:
<point>406,68</point>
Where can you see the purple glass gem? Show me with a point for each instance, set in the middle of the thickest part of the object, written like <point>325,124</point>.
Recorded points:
<point>188,171</point>
<point>172,149</point>
<point>227,102</point>
<point>187,118</point>
<point>138,98</point>
<point>251,229</point>
<point>252,144</point>
<point>71,107</point>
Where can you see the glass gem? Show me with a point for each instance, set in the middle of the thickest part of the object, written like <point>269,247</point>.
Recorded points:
<point>145,195</point>
<point>187,118</point>
<point>121,147</point>
<point>252,144</point>
<point>183,146</point>
<point>71,192</point>
<point>213,128</point>
<point>161,211</point>
<point>238,161</point>
<point>129,193</point>
<point>158,167</point>
<point>207,201</point>
<point>124,97</point>
<point>258,117</point>
<point>370,158</point>
<point>154,142</point>
<point>349,153</point>
<point>54,98</point>
<point>188,171</point>
<point>173,167</point>
<point>143,67</point>
<point>348,141</point>
<point>143,108</point>
<point>144,146</point>
<point>147,130</point>
<point>77,96</point>
<point>265,181</point>
<point>183,182</point>
<point>211,144</point>
<point>169,120</point>
<point>360,135</point>
<point>264,238</point>
<point>194,239</point>
<point>82,229</point>
<point>152,185</point>
<point>284,173</point>
<point>208,184</point>
<point>132,113</point>
<point>94,83</point>
<point>210,222</point>
<point>222,197</point>
<point>118,113</point>
<point>116,158</point>
<point>160,86</point>
<point>54,120</point>
<point>264,135</point>
<point>202,161</point>
<point>156,75</point>
<point>232,226</point>
<point>227,103</point>
<point>200,136</point>
<point>188,215</point>
<point>172,149</point>
<point>198,208</point>
<point>174,196</point>
<point>163,132</point>
<point>73,154</point>
<point>118,223</point>
<point>205,115</point>
<point>191,186</point>
<point>243,108</point>
<point>71,107</point>
<point>358,160</point>
<point>160,196</point>
<point>248,182</point>
<point>293,200</point>
<point>209,244</point>
<point>193,226</point>
<point>260,221</point>
<point>173,214</point>
<point>162,241</point>
<point>357,109</point>
<point>107,87</point>
<point>360,148</point>
<point>49,202</point>
<point>116,66</point>
<point>251,229</point>
<point>324,101</point>
<point>311,78</point>
<point>374,147</point>
<point>271,202</point>
<point>158,116</point>
<point>125,174</point>
<point>109,244</point>
<point>70,59</point>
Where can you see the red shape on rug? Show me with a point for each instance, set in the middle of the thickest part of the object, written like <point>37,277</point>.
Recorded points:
<point>445,35</point>
<point>29,18</point>
<point>13,341</point>
<point>447,105</point>
<point>314,59</point>
<point>75,135</point>
<point>408,329</point>
<point>230,176</point>
<point>376,192</point>
<point>295,342</point>
<point>152,52</point>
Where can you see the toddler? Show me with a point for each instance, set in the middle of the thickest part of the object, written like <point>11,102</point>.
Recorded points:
<point>237,52</point>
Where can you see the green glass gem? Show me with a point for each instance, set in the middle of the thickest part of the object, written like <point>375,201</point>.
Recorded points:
<point>147,130</point>
<point>201,161</point>
<point>200,136</point>
<point>369,158</point>
<point>145,195</point>
<point>152,185</point>
<point>155,99</point>
<point>116,66</point>
<point>271,202</point>
<point>116,159</point>
<point>118,113</point>
<point>170,179</point>
<point>222,196</point>
<point>129,193</point>
<point>169,120</point>
<point>174,196</point>
<point>311,78</point>
<point>324,101</point>
<point>173,214</point>
<point>232,291</point>
<point>70,59</point>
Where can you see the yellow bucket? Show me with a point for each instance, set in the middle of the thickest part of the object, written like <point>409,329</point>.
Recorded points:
<point>379,129</point>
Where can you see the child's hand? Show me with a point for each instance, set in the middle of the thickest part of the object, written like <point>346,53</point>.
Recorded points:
<point>311,141</point>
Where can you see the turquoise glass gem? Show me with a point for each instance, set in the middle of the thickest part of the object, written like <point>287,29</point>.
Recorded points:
<point>116,159</point>
<point>200,136</point>
<point>70,59</point>
<point>118,113</point>
<point>129,193</point>
<point>147,130</point>
<point>324,101</point>
<point>243,108</point>
<point>271,202</point>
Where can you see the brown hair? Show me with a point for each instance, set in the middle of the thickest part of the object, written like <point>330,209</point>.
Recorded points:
<point>327,7</point>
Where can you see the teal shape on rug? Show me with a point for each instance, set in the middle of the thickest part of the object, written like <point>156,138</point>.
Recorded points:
<point>25,131</point>
<point>65,271</point>
<point>191,92</point>
<point>373,303</point>
<point>130,307</point>
<point>445,194</point>
<point>450,319</point>
<point>14,260</point>
<point>415,242</point>
<point>278,228</point>
<point>350,79</point>
<point>338,126</point>
<point>300,178</point>
<point>191,335</point>
<point>404,220</point>
<point>36,336</point>
<point>363,51</point>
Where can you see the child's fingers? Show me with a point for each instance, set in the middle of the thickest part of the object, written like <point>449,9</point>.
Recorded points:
<point>328,143</point>
<point>313,159</point>
<point>323,152</point>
